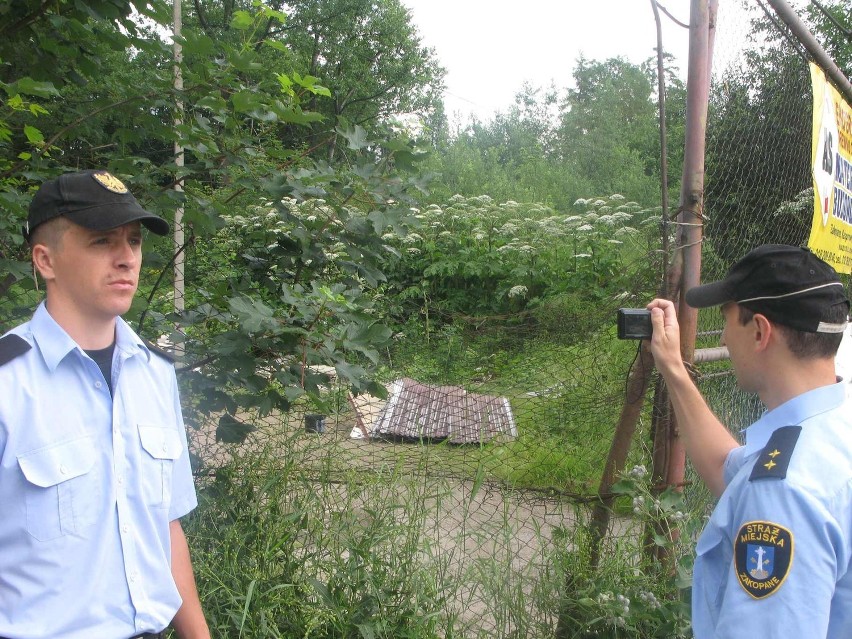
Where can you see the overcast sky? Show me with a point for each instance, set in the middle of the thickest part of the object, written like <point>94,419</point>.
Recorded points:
<point>490,47</point>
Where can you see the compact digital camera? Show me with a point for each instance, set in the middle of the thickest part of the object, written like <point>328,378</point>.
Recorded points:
<point>634,323</point>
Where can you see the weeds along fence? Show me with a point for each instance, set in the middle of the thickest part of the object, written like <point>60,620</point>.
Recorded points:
<point>454,503</point>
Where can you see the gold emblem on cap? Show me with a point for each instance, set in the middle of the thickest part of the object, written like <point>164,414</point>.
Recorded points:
<point>110,182</point>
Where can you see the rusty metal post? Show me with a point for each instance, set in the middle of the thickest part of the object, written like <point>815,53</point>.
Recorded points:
<point>691,217</point>
<point>637,387</point>
<point>668,454</point>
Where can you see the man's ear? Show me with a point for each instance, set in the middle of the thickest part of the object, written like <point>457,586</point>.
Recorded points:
<point>763,330</point>
<point>43,261</point>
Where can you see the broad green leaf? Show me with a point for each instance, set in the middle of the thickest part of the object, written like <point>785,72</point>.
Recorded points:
<point>293,393</point>
<point>28,86</point>
<point>198,43</point>
<point>268,12</point>
<point>297,116</point>
<point>33,134</point>
<point>349,371</point>
<point>244,101</point>
<point>624,487</point>
<point>371,334</point>
<point>286,83</point>
<point>318,89</point>
<point>671,498</point>
<point>254,315</point>
<point>356,137</point>
<point>244,61</point>
<point>309,83</point>
<point>661,540</point>
<point>241,20</point>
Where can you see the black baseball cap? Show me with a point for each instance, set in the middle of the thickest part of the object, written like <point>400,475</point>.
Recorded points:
<point>96,200</point>
<point>788,284</point>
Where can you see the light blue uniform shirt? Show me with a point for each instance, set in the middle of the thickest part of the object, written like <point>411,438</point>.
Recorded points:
<point>813,503</point>
<point>88,486</point>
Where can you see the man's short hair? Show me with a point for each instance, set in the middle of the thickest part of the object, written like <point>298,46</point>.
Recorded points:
<point>50,233</point>
<point>804,344</point>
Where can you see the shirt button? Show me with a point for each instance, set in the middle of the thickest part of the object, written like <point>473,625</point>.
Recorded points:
<point>125,529</point>
<point>63,469</point>
<point>120,481</point>
<point>98,384</point>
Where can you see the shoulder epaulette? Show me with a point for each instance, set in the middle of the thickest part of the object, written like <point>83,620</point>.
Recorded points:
<point>775,457</point>
<point>159,351</point>
<point>11,347</point>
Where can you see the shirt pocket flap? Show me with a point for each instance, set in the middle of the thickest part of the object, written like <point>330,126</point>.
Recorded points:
<point>159,442</point>
<point>54,464</point>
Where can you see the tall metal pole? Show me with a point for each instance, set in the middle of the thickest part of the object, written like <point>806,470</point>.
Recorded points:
<point>178,230</point>
<point>664,160</point>
<point>691,217</point>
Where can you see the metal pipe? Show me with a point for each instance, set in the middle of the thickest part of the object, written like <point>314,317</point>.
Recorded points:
<point>715,354</point>
<point>820,56</point>
<point>668,448</point>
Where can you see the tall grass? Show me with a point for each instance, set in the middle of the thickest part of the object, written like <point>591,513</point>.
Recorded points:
<point>287,542</point>
<point>283,548</point>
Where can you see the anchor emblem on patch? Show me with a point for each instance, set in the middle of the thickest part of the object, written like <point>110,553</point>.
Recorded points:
<point>763,554</point>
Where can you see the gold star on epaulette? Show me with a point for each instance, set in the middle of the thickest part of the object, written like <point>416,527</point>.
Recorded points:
<point>775,456</point>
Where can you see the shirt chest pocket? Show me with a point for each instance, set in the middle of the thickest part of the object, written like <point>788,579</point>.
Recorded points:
<point>62,491</point>
<point>161,447</point>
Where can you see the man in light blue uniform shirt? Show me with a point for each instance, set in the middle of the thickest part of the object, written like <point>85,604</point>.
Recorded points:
<point>94,467</point>
<point>774,559</point>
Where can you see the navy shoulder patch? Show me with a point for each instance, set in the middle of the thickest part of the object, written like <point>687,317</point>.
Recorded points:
<point>159,351</point>
<point>763,554</point>
<point>11,347</point>
<point>775,457</point>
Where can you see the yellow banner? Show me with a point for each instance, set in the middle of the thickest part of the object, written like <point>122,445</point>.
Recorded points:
<point>831,159</point>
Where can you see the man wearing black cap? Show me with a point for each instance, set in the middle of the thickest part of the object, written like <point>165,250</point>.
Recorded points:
<point>94,467</point>
<point>774,559</point>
